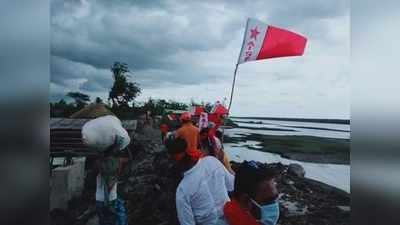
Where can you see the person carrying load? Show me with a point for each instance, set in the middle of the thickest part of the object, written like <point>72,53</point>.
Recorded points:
<point>108,138</point>
<point>110,208</point>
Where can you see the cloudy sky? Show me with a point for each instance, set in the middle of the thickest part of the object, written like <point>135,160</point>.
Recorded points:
<point>185,50</point>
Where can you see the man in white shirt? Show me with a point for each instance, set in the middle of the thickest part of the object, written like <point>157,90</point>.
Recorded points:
<point>203,191</point>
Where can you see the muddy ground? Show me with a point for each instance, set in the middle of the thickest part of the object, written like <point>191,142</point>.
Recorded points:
<point>149,182</point>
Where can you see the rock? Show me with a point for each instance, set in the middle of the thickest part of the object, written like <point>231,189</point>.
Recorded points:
<point>288,182</point>
<point>142,167</point>
<point>87,214</point>
<point>291,209</point>
<point>127,189</point>
<point>132,180</point>
<point>93,221</point>
<point>149,185</point>
<point>291,186</point>
<point>297,170</point>
<point>344,208</point>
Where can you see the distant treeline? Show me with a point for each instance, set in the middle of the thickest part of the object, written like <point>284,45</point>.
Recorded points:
<point>121,99</point>
<point>337,121</point>
<point>157,107</point>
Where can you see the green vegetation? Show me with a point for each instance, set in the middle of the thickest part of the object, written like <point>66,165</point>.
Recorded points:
<point>304,148</point>
<point>338,121</point>
<point>122,92</point>
<point>159,106</point>
<point>265,128</point>
<point>229,122</point>
<point>121,99</point>
<point>80,99</point>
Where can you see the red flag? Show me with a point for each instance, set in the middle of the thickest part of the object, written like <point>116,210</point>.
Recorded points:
<point>215,118</point>
<point>262,41</point>
<point>196,110</point>
<point>203,120</point>
<point>219,109</point>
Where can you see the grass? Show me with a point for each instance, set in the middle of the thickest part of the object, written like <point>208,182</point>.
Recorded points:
<point>304,148</point>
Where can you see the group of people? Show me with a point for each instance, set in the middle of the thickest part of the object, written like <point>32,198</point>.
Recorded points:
<point>210,192</point>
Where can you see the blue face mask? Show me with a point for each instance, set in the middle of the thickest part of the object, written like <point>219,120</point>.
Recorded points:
<point>269,213</point>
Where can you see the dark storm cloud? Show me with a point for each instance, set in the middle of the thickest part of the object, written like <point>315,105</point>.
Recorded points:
<point>292,12</point>
<point>63,71</point>
<point>307,17</point>
<point>298,11</point>
<point>88,36</point>
<point>93,86</point>
<point>97,35</point>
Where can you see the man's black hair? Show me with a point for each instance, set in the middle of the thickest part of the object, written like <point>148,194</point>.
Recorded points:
<point>249,175</point>
<point>219,134</point>
<point>176,146</point>
<point>204,130</point>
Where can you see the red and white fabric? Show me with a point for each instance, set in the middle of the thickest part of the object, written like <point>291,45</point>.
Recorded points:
<point>203,120</point>
<point>263,41</point>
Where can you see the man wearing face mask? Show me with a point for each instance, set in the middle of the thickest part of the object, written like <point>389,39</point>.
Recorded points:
<point>255,197</point>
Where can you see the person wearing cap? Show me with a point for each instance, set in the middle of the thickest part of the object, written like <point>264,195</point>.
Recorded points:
<point>188,132</point>
<point>203,191</point>
<point>254,199</point>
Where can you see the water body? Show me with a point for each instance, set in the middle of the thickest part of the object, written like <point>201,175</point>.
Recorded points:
<point>337,175</point>
<point>329,130</point>
<point>332,174</point>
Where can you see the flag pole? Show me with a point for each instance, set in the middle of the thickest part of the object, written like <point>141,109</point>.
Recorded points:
<point>230,101</point>
<point>233,87</point>
<point>234,77</point>
<point>237,65</point>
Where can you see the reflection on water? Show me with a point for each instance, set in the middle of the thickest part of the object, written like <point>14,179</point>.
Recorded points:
<point>341,131</point>
<point>332,174</point>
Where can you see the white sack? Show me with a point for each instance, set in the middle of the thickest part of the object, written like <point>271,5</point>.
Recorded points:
<point>102,132</point>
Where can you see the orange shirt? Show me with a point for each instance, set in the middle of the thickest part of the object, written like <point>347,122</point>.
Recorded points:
<point>191,134</point>
<point>235,215</point>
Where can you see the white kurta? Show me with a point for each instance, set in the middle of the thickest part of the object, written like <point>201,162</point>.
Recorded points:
<point>100,190</point>
<point>203,192</point>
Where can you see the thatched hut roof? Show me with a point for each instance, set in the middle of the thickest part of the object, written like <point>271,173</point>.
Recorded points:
<point>92,111</point>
